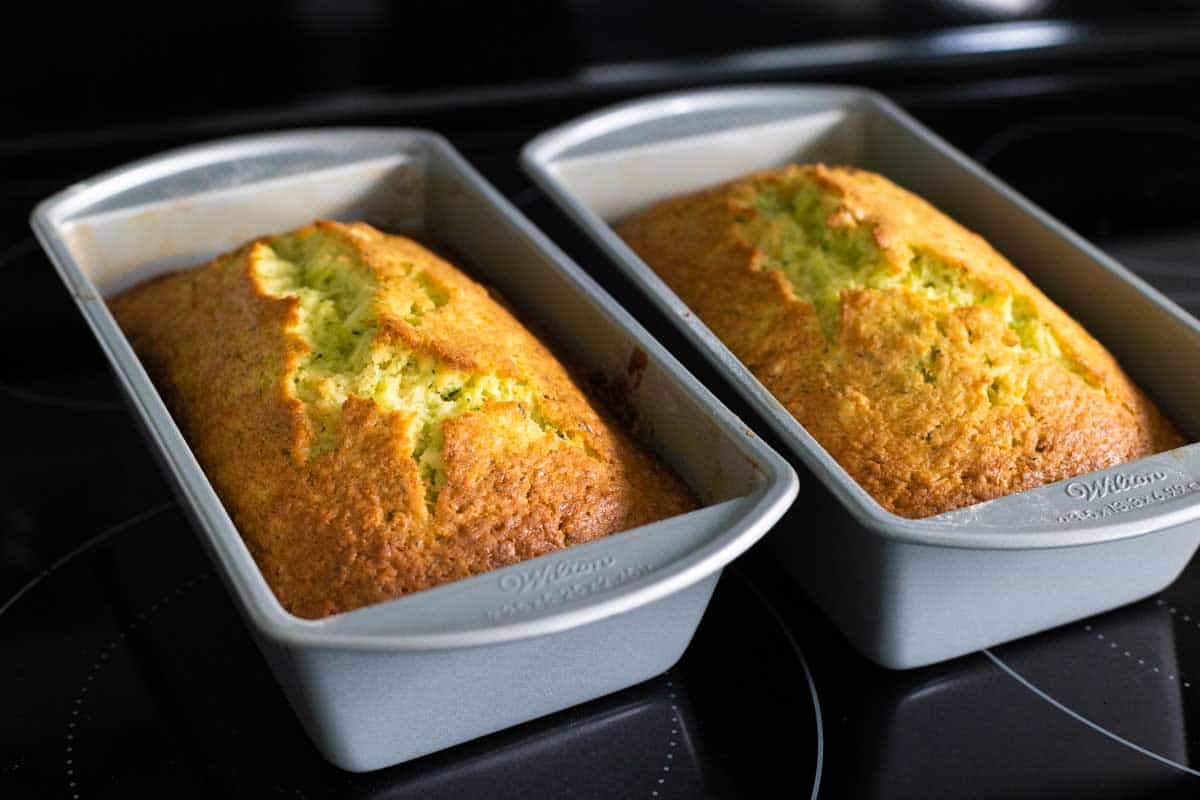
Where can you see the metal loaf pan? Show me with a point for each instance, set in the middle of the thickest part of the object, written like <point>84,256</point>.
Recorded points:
<point>911,592</point>
<point>394,681</point>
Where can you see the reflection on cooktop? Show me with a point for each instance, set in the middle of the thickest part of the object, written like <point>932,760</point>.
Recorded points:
<point>127,672</point>
<point>1010,722</point>
<point>1118,674</point>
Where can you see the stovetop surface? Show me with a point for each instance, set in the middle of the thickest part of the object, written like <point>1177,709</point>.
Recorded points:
<point>124,670</point>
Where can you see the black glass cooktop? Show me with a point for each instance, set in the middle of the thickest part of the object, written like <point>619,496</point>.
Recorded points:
<point>125,671</point>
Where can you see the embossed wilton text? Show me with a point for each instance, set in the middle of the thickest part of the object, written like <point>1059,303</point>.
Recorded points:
<point>553,573</point>
<point>1112,484</point>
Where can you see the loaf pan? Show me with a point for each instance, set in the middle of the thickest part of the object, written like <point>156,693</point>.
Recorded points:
<point>390,682</point>
<point>911,592</point>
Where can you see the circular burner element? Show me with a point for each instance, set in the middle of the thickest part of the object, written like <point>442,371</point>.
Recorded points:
<point>127,673</point>
<point>1132,675</point>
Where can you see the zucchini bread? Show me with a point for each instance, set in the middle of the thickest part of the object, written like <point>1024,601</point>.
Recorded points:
<point>375,422</point>
<point>922,360</point>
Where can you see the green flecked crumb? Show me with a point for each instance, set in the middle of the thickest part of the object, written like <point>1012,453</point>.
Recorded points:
<point>822,263</point>
<point>338,321</point>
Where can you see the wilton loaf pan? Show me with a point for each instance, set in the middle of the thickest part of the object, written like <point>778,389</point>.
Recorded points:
<point>912,592</point>
<point>393,681</point>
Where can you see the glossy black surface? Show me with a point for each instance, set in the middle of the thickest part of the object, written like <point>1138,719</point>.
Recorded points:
<point>124,670</point>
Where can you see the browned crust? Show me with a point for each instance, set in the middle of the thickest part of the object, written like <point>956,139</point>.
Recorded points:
<point>348,527</point>
<point>919,447</point>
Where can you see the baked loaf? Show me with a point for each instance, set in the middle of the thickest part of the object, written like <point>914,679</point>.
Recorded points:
<point>375,422</point>
<point>920,359</point>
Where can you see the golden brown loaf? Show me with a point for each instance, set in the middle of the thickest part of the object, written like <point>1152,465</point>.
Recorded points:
<point>375,422</point>
<point>920,358</point>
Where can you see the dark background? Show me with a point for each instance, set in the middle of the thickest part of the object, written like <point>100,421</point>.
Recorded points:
<point>95,85</point>
<point>106,65</point>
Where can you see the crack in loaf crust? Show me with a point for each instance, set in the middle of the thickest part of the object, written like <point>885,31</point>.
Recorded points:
<point>932,369</point>
<point>377,424</point>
